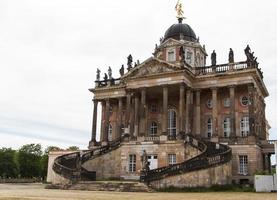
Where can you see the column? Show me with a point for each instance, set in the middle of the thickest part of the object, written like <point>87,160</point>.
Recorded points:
<point>198,112</point>
<point>251,109</point>
<point>215,113</point>
<point>136,116</point>
<point>165,110</point>
<point>103,120</point>
<point>119,118</point>
<point>181,108</point>
<point>188,102</point>
<point>107,122</point>
<point>94,121</point>
<point>128,113</point>
<point>142,128</point>
<point>269,162</point>
<point>232,111</point>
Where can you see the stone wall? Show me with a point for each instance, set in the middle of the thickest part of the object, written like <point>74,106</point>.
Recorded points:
<point>220,175</point>
<point>107,166</point>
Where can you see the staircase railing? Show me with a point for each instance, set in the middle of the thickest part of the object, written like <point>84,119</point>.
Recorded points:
<point>69,166</point>
<point>211,155</point>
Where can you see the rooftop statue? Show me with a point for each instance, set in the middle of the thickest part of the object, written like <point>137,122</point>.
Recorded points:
<point>213,58</point>
<point>110,73</point>
<point>121,71</point>
<point>179,10</point>
<point>129,62</point>
<point>98,74</point>
<point>231,56</point>
<point>105,77</point>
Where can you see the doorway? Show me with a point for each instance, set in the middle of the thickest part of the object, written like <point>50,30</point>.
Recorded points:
<point>153,161</point>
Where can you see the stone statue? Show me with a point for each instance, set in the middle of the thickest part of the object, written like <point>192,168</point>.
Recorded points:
<point>98,74</point>
<point>105,77</point>
<point>213,58</point>
<point>121,71</point>
<point>182,53</point>
<point>130,62</point>
<point>110,73</point>
<point>144,162</point>
<point>179,10</point>
<point>138,62</point>
<point>247,51</point>
<point>231,56</point>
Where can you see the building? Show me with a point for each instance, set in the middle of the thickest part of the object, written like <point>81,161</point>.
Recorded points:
<point>174,121</point>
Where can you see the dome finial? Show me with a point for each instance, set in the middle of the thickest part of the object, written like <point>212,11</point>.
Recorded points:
<point>180,11</point>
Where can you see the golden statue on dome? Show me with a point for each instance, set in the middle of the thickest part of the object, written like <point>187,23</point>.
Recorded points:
<point>179,10</point>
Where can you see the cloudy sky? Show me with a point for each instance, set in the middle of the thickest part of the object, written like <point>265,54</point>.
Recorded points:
<point>49,52</point>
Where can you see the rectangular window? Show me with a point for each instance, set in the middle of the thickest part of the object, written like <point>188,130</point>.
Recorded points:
<point>227,127</point>
<point>132,163</point>
<point>171,159</point>
<point>244,126</point>
<point>171,56</point>
<point>243,165</point>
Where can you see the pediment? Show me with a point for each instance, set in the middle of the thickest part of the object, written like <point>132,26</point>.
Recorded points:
<point>151,66</point>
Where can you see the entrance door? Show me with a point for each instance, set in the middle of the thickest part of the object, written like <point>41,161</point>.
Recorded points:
<point>153,161</point>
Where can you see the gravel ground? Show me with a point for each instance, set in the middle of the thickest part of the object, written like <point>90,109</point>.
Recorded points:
<point>37,192</point>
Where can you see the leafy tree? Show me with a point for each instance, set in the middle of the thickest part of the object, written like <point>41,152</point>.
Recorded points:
<point>73,148</point>
<point>29,160</point>
<point>51,148</point>
<point>8,167</point>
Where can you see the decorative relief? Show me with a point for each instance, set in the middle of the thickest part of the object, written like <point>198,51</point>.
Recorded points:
<point>149,70</point>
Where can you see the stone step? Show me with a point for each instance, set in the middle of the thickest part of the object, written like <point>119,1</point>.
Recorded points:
<point>110,186</point>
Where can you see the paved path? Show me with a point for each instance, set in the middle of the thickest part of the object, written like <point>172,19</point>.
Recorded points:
<point>37,192</point>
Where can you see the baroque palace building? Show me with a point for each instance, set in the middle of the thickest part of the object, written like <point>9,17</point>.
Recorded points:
<point>174,121</point>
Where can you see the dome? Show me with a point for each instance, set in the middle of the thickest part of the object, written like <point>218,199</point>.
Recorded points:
<point>176,30</point>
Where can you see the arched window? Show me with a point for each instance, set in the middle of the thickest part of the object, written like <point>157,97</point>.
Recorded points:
<point>209,128</point>
<point>110,133</point>
<point>244,126</point>
<point>153,129</point>
<point>171,126</point>
<point>227,127</point>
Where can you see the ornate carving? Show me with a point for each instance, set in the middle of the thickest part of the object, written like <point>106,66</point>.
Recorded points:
<point>213,58</point>
<point>231,56</point>
<point>121,71</point>
<point>129,62</point>
<point>98,74</point>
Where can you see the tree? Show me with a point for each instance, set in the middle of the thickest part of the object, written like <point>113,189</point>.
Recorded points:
<point>29,160</point>
<point>73,148</point>
<point>8,167</point>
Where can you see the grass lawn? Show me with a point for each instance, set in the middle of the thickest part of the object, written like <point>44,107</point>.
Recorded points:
<point>37,192</point>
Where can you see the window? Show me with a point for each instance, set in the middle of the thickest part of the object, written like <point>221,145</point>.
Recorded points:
<point>189,57</point>
<point>209,128</point>
<point>171,159</point>
<point>244,126</point>
<point>171,56</point>
<point>153,108</point>
<point>171,128</point>
<point>153,129</point>
<point>110,133</point>
<point>243,165</point>
<point>210,103</point>
<point>132,163</point>
<point>244,101</point>
<point>226,102</point>
<point>227,127</point>
<point>111,110</point>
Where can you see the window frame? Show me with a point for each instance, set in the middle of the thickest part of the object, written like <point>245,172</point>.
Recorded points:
<point>243,101</point>
<point>210,127</point>
<point>209,103</point>
<point>153,129</point>
<point>243,165</point>
<point>132,168</point>
<point>244,126</point>
<point>110,132</point>
<point>172,122</point>
<point>226,127</point>
<point>227,102</point>
<point>171,55</point>
<point>171,159</point>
